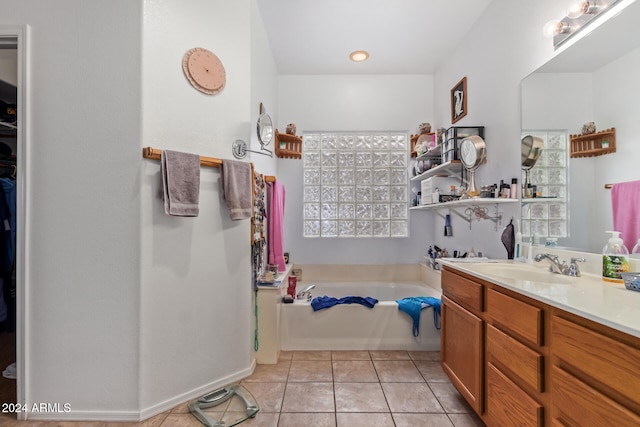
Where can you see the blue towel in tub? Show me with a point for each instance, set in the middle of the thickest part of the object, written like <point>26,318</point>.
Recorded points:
<point>414,305</point>
<point>318,303</point>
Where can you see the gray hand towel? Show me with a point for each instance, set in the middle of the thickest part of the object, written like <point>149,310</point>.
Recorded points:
<point>237,188</point>
<point>180,182</point>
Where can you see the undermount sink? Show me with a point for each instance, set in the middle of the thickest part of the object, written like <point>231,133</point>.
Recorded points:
<point>523,272</point>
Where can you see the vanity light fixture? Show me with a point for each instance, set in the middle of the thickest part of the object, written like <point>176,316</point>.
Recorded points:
<point>359,55</point>
<point>579,8</point>
<point>580,13</point>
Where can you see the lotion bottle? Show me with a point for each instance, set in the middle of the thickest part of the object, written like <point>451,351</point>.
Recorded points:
<point>614,259</point>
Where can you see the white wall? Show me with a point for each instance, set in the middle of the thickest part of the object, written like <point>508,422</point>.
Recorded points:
<point>83,214</point>
<point>343,103</point>
<point>504,46</point>
<point>196,276</point>
<point>9,66</point>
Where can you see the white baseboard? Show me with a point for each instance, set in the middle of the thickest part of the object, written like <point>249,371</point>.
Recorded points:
<point>146,412</point>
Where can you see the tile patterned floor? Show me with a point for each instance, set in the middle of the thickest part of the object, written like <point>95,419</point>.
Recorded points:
<point>336,389</point>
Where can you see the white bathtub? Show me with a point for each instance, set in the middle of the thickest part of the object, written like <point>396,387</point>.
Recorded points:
<point>356,327</point>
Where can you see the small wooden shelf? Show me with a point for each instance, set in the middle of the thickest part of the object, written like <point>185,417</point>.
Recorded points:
<point>591,145</point>
<point>292,146</point>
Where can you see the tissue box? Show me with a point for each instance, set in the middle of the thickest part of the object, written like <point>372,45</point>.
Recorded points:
<point>441,183</point>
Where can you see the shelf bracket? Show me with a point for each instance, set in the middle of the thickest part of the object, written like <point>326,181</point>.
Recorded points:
<point>483,213</point>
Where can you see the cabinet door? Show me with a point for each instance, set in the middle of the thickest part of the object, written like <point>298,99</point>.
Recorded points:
<point>461,351</point>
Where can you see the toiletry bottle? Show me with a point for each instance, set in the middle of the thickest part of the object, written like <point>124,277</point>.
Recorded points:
<point>614,259</point>
<point>514,188</point>
<point>518,248</point>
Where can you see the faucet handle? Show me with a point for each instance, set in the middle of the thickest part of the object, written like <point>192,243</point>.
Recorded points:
<point>573,269</point>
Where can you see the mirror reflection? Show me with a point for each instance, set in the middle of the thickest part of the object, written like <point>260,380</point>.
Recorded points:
<point>594,80</point>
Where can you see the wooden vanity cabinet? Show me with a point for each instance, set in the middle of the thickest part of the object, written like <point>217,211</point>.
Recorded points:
<point>518,361</point>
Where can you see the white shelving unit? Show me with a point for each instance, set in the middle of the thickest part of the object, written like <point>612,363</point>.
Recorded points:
<point>473,208</point>
<point>453,167</point>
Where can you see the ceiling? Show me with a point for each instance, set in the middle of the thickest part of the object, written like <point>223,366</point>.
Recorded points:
<point>402,36</point>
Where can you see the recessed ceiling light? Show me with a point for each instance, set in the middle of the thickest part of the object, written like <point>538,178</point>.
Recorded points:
<point>359,55</point>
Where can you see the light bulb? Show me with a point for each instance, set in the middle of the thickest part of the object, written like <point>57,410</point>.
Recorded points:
<point>555,27</point>
<point>579,8</point>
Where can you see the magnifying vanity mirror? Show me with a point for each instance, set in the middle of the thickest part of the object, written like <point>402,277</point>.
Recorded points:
<point>265,129</point>
<point>531,149</point>
<point>593,80</point>
<point>473,151</point>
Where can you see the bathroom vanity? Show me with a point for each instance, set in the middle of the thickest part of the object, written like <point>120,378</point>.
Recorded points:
<point>528,347</point>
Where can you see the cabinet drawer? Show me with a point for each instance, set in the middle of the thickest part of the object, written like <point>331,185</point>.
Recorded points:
<point>599,357</point>
<point>515,316</point>
<point>516,358</point>
<point>465,292</point>
<point>507,404</point>
<point>575,403</point>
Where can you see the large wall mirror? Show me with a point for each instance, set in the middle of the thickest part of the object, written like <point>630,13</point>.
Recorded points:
<point>595,79</point>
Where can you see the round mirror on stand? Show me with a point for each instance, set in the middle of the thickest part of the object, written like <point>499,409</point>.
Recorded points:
<point>473,151</point>
<point>531,148</point>
<point>265,129</point>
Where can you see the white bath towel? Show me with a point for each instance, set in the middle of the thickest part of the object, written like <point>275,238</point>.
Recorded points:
<point>237,188</point>
<point>180,182</point>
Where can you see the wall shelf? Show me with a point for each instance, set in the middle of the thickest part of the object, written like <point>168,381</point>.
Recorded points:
<point>594,144</point>
<point>468,209</point>
<point>453,167</point>
<point>292,146</point>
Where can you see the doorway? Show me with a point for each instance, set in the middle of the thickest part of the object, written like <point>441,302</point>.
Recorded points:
<point>13,131</point>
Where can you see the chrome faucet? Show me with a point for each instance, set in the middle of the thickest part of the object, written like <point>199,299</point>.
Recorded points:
<point>305,292</point>
<point>555,266</point>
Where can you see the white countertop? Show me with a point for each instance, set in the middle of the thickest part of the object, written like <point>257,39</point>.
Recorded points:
<point>588,296</point>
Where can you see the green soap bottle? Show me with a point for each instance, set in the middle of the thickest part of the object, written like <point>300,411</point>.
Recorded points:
<point>614,259</point>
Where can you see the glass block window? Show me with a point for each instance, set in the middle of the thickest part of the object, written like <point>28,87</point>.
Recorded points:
<point>548,216</point>
<point>355,184</point>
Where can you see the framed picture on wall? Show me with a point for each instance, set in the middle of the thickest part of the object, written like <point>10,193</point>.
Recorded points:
<point>459,100</point>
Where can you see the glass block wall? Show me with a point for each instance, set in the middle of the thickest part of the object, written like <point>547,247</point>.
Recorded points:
<point>550,176</point>
<point>355,184</point>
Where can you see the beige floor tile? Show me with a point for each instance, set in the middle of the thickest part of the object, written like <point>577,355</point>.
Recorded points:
<point>397,371</point>
<point>263,419</point>
<point>389,355</point>
<point>466,420</point>
<point>155,421</point>
<point>450,399</point>
<point>422,420</point>
<point>307,419</point>
<point>433,356</point>
<point>270,373</point>
<point>311,355</point>
<point>310,371</point>
<point>431,371</point>
<point>411,397</point>
<point>182,408</point>
<point>308,397</point>
<point>285,355</point>
<point>364,420</point>
<point>181,420</point>
<point>268,395</point>
<point>354,371</point>
<point>360,397</point>
<point>350,355</point>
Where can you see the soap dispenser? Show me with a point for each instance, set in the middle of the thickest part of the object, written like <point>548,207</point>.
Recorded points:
<point>614,259</point>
